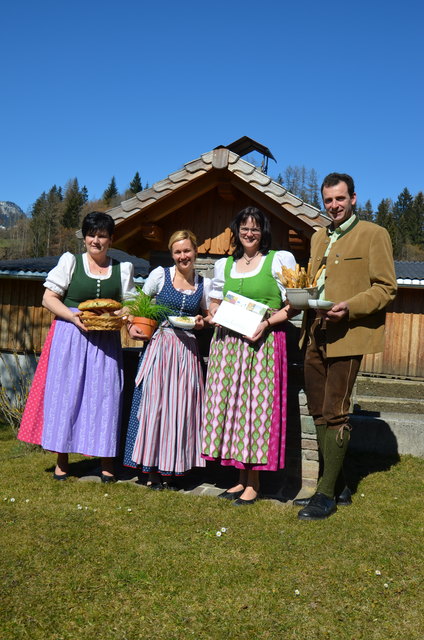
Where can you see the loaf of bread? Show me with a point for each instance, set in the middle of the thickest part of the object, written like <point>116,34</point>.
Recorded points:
<point>106,320</point>
<point>100,303</point>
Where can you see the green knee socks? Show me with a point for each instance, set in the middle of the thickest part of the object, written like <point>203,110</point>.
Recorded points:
<point>333,451</point>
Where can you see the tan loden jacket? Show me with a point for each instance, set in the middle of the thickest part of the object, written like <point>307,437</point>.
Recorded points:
<point>359,271</point>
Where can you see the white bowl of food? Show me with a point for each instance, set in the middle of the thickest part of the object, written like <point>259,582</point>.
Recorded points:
<point>299,298</point>
<point>182,322</point>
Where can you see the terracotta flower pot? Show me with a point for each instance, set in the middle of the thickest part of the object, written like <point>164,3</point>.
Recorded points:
<point>146,325</point>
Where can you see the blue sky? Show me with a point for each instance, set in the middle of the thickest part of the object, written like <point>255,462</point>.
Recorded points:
<point>93,89</point>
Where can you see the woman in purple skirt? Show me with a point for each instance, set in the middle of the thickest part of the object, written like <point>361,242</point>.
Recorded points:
<point>74,405</point>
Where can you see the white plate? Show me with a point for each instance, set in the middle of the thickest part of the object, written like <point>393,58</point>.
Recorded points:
<point>185,322</point>
<point>320,304</point>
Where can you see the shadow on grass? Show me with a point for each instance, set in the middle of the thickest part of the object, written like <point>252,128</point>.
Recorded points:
<point>81,468</point>
<point>359,465</point>
<point>373,447</point>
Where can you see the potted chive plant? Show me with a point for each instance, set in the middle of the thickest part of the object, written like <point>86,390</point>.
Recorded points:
<point>146,313</point>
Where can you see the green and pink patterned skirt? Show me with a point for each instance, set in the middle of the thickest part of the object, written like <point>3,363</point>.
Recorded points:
<point>245,405</point>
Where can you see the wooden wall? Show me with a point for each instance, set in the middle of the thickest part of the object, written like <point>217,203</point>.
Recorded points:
<point>403,355</point>
<point>24,323</point>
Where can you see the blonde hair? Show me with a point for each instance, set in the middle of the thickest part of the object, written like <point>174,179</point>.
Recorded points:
<point>184,234</point>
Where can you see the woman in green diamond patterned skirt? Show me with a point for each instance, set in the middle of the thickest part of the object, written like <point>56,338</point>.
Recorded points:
<point>244,415</point>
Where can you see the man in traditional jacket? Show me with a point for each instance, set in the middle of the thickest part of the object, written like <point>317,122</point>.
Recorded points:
<point>359,278</point>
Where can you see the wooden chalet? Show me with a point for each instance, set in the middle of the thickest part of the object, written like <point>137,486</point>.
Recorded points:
<point>204,196</point>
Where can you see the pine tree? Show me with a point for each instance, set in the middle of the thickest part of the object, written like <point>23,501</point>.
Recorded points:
<point>73,202</point>
<point>45,222</point>
<point>365,212</point>
<point>369,213</point>
<point>385,218</point>
<point>135,184</point>
<point>415,220</point>
<point>303,191</point>
<point>313,189</point>
<point>401,212</point>
<point>303,183</point>
<point>111,192</point>
<point>37,225</point>
<point>291,179</point>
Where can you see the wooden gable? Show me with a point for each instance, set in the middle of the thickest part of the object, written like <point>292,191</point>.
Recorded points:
<point>204,196</point>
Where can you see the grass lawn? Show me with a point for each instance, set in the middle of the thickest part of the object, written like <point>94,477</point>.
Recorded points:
<point>81,561</point>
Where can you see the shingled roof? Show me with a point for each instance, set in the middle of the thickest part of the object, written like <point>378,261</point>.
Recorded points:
<point>222,159</point>
<point>38,268</point>
<point>409,274</point>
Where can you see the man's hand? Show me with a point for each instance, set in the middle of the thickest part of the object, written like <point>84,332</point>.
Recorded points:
<point>338,312</point>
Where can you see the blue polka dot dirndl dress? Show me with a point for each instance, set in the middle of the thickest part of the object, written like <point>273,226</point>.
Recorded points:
<point>164,429</point>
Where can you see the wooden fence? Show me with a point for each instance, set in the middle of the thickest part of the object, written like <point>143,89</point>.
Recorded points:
<point>403,355</point>
<point>24,323</point>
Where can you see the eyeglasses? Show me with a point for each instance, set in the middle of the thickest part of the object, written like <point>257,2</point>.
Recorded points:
<point>255,231</point>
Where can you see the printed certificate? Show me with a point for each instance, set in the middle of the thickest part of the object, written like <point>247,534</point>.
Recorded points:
<point>240,314</point>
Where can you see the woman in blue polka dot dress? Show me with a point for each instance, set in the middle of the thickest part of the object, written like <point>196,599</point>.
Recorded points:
<point>163,437</point>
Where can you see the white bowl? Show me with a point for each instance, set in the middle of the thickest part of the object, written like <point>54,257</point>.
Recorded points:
<point>184,322</point>
<point>299,298</point>
<point>321,304</point>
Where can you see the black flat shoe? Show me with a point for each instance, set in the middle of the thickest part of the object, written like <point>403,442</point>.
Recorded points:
<point>319,507</point>
<point>227,495</point>
<point>170,486</point>
<point>60,476</point>
<point>107,479</point>
<point>301,502</point>
<point>155,486</point>
<point>343,500</point>
<point>242,503</point>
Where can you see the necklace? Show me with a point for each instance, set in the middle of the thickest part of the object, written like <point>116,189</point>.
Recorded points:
<point>249,260</point>
<point>182,282</point>
<point>96,268</point>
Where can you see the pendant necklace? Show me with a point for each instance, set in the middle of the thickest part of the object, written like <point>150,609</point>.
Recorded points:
<point>249,260</point>
<point>97,268</point>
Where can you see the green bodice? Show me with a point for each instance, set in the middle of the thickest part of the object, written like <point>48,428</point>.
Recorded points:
<point>262,287</point>
<point>82,287</point>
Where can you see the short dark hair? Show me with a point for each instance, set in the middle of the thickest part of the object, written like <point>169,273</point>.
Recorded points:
<point>97,221</point>
<point>334,178</point>
<point>261,220</point>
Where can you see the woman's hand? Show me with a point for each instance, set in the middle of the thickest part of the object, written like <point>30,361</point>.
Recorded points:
<point>199,323</point>
<point>77,321</point>
<point>123,313</point>
<point>291,312</point>
<point>208,320</point>
<point>280,316</point>
<point>135,332</point>
<point>53,302</point>
<point>259,332</point>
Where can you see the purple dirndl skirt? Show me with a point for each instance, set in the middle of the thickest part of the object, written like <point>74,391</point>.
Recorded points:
<point>83,392</point>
